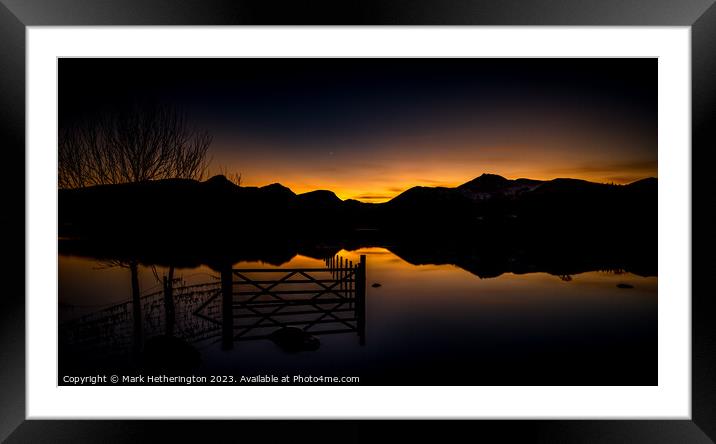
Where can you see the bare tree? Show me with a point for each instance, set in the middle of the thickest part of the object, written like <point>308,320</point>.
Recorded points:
<point>146,143</point>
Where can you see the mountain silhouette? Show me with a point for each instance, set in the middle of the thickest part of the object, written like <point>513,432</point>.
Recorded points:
<point>488,186</point>
<point>278,189</point>
<point>221,182</point>
<point>647,185</point>
<point>429,197</point>
<point>215,216</point>
<point>319,199</point>
<point>486,182</point>
<point>480,196</point>
<point>489,225</point>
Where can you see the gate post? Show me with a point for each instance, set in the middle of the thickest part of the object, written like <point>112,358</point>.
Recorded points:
<point>360,299</point>
<point>138,333</point>
<point>227,308</point>
<point>169,310</point>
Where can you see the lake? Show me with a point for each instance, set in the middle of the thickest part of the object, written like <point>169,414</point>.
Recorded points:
<point>424,325</point>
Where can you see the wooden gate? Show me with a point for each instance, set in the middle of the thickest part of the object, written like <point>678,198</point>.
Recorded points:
<point>327,300</point>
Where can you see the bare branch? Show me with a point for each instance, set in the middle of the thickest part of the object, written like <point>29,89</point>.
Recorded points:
<point>144,144</point>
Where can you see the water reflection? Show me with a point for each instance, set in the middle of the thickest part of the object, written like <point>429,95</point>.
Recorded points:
<point>424,324</point>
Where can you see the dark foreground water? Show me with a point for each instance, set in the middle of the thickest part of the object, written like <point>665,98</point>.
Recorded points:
<point>424,325</point>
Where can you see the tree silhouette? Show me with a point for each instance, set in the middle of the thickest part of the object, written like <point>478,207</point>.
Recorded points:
<point>131,145</point>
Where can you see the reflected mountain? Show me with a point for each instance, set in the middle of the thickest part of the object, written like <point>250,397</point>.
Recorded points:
<point>484,261</point>
<point>487,226</point>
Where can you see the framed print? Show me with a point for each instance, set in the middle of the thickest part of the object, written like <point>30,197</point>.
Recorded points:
<point>480,221</point>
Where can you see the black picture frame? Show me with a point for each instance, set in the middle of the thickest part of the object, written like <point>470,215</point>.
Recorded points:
<point>16,15</point>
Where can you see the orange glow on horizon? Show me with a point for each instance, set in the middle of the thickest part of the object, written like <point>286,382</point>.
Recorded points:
<point>388,188</point>
<point>382,166</point>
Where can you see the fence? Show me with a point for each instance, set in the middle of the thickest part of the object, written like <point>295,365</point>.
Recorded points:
<point>244,304</point>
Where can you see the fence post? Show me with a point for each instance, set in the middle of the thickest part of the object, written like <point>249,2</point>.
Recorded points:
<point>350,285</point>
<point>340,278</point>
<point>360,299</point>
<point>227,308</point>
<point>169,311</point>
<point>138,334</point>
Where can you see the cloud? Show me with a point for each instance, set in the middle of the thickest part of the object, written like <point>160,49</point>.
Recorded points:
<point>640,165</point>
<point>372,197</point>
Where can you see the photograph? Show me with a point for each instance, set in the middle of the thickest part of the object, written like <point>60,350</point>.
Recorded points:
<point>389,221</point>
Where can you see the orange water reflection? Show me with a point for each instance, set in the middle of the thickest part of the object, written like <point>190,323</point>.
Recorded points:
<point>87,283</point>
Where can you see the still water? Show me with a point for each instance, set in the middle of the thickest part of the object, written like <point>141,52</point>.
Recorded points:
<point>424,325</point>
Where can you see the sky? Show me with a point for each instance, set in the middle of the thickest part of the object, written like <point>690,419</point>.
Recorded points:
<point>369,129</point>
